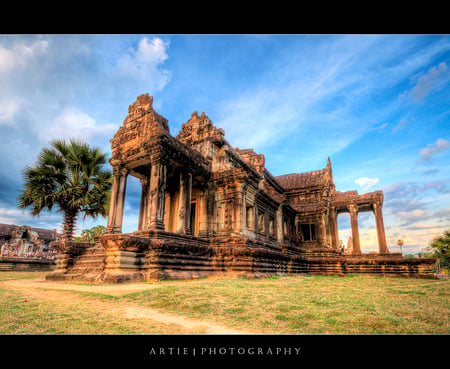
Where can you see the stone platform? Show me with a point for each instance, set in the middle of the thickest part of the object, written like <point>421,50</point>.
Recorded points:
<point>161,255</point>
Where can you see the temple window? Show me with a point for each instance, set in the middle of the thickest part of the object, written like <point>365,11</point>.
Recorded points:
<point>261,223</point>
<point>308,232</point>
<point>272,232</point>
<point>250,216</point>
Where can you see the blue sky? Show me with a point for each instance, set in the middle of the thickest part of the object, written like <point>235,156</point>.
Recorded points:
<point>378,105</point>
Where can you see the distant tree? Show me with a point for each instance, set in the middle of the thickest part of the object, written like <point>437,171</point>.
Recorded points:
<point>400,243</point>
<point>88,235</point>
<point>440,247</point>
<point>70,176</point>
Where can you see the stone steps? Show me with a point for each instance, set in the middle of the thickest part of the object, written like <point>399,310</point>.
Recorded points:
<point>93,260</point>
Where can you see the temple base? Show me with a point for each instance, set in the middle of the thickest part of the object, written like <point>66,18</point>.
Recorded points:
<point>160,255</point>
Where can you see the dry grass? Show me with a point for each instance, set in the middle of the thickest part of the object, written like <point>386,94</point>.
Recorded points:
<point>293,305</point>
<point>355,304</point>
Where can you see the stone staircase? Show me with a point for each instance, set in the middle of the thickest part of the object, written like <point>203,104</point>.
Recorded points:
<point>88,266</point>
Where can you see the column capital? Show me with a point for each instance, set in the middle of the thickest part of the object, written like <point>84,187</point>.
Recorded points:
<point>119,170</point>
<point>353,208</point>
<point>377,205</point>
<point>124,171</point>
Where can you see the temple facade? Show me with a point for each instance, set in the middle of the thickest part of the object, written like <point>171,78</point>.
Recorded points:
<point>209,208</point>
<point>25,241</point>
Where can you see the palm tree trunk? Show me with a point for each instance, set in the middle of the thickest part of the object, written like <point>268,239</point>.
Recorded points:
<point>70,217</point>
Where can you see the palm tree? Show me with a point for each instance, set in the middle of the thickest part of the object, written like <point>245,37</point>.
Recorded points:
<point>440,246</point>
<point>400,243</point>
<point>70,176</point>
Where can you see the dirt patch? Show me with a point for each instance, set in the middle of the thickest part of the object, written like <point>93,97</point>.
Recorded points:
<point>113,290</point>
<point>62,294</point>
<point>202,327</point>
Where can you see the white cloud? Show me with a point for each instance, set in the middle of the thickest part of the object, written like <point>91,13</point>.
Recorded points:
<point>381,127</point>
<point>432,149</point>
<point>412,215</point>
<point>400,124</point>
<point>434,79</point>
<point>144,64</point>
<point>366,183</point>
<point>7,60</point>
<point>73,123</point>
<point>20,54</point>
<point>8,109</point>
<point>22,217</point>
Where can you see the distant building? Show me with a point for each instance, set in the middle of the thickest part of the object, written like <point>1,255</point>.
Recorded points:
<point>25,241</point>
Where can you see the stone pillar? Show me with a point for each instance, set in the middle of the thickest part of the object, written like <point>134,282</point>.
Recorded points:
<point>280,236</point>
<point>237,209</point>
<point>355,231</point>
<point>117,202</point>
<point>157,195</point>
<point>203,216</point>
<point>322,231</point>
<point>113,200</point>
<point>143,209</point>
<point>184,204</point>
<point>382,244</point>
<point>334,233</point>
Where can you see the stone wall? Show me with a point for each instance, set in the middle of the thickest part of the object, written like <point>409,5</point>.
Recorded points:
<point>158,255</point>
<point>24,265</point>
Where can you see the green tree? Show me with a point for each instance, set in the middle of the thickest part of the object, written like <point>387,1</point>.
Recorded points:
<point>400,243</point>
<point>88,235</point>
<point>440,247</point>
<point>71,177</point>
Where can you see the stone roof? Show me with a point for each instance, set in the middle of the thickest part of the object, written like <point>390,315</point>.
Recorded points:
<point>307,179</point>
<point>300,180</point>
<point>7,230</point>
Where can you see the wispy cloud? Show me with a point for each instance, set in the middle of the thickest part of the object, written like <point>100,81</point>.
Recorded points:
<point>367,183</point>
<point>434,79</point>
<point>8,109</point>
<point>20,55</point>
<point>427,153</point>
<point>401,124</point>
<point>326,91</point>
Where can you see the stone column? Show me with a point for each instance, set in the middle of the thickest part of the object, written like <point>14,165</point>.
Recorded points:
<point>334,233</point>
<point>322,232</point>
<point>279,216</point>
<point>143,221</point>
<point>355,231</point>
<point>382,244</point>
<point>113,200</point>
<point>120,201</point>
<point>237,209</point>
<point>184,204</point>
<point>117,202</point>
<point>157,195</point>
<point>203,216</point>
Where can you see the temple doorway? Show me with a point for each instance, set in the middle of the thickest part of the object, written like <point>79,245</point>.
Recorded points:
<point>344,231</point>
<point>193,223</point>
<point>367,233</point>
<point>131,206</point>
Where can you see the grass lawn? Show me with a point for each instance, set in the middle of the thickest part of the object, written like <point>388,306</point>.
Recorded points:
<point>315,304</point>
<point>277,305</point>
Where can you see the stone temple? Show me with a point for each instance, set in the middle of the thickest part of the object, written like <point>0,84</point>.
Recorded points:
<point>207,208</point>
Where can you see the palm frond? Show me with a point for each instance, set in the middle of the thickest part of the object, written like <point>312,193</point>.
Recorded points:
<point>71,176</point>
